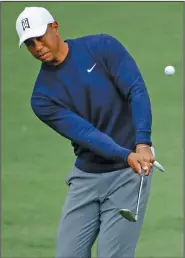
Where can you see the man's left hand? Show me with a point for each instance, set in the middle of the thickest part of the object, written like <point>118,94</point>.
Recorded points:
<point>146,151</point>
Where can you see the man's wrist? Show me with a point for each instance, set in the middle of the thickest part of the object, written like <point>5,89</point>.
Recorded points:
<point>141,145</point>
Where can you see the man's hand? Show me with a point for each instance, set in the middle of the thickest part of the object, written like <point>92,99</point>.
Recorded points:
<point>142,159</point>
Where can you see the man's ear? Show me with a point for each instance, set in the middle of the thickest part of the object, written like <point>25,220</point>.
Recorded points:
<point>55,26</point>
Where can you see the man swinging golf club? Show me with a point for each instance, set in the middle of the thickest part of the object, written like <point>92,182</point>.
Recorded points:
<point>90,90</point>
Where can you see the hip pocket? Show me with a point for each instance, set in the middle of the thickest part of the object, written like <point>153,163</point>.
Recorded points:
<point>69,178</point>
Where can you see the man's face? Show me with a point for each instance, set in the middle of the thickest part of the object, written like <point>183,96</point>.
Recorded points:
<point>45,48</point>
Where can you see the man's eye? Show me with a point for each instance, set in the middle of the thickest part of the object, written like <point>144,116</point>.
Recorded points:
<point>40,38</point>
<point>29,43</point>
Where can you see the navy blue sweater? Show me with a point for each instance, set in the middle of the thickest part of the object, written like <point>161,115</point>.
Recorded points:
<point>97,98</point>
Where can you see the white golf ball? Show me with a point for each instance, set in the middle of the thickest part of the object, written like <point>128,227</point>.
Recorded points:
<point>169,70</point>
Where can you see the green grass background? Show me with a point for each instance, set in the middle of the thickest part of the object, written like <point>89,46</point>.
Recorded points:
<point>36,160</point>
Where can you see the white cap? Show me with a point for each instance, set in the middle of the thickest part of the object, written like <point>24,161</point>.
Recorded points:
<point>32,22</point>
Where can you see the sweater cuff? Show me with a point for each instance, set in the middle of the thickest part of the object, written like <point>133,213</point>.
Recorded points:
<point>143,138</point>
<point>121,154</point>
<point>126,154</point>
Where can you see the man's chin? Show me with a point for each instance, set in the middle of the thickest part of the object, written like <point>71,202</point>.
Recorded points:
<point>47,61</point>
<point>50,61</point>
<point>46,58</point>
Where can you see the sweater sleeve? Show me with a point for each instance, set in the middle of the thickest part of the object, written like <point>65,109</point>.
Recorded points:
<point>74,127</point>
<point>128,79</point>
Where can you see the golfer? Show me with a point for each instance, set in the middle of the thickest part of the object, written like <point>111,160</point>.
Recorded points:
<point>90,91</point>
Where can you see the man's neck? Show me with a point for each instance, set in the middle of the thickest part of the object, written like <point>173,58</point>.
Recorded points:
<point>62,53</point>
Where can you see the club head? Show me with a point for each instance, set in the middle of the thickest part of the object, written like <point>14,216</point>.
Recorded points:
<point>125,213</point>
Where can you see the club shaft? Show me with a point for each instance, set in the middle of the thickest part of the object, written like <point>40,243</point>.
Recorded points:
<point>157,165</point>
<point>139,194</point>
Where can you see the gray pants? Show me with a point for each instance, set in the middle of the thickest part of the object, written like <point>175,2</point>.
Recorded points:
<point>91,211</point>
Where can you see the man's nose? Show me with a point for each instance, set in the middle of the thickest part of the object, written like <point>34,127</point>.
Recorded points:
<point>38,45</point>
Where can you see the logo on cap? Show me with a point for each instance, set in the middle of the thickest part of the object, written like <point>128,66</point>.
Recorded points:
<point>25,23</point>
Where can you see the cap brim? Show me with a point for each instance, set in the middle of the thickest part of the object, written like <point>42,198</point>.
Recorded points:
<point>33,33</point>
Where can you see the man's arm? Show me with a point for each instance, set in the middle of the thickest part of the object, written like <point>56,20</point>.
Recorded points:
<point>77,129</point>
<point>127,77</point>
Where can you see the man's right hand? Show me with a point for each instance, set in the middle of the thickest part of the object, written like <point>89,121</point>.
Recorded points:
<point>137,162</point>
